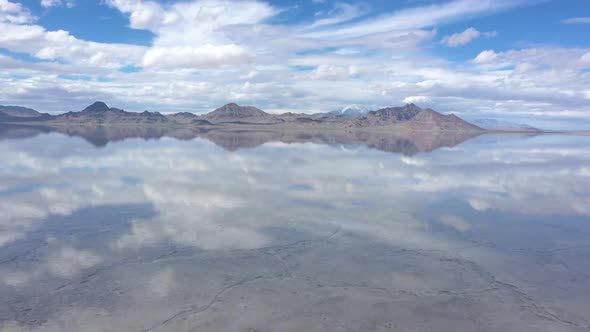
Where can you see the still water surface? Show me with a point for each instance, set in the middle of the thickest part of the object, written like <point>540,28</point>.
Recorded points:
<point>250,232</point>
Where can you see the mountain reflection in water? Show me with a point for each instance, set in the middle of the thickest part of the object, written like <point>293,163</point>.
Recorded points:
<point>292,231</point>
<point>407,143</point>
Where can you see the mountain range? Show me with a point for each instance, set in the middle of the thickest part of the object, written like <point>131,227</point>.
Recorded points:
<point>409,117</point>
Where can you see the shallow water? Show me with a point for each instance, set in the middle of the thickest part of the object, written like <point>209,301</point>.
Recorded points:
<point>258,232</point>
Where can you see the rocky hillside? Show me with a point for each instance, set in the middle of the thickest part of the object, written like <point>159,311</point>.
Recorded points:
<point>100,113</point>
<point>182,117</point>
<point>412,117</point>
<point>234,112</point>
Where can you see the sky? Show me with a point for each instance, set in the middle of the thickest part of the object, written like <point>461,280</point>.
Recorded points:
<point>518,60</point>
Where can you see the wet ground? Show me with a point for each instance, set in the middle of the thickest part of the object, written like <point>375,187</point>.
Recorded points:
<point>491,234</point>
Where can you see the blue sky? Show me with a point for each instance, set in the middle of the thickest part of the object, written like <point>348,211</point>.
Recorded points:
<point>521,60</point>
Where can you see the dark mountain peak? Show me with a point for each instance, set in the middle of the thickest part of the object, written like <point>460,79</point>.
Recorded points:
<point>98,106</point>
<point>411,107</point>
<point>234,106</point>
<point>403,113</point>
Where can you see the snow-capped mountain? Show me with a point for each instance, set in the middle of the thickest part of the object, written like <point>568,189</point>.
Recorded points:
<point>353,110</point>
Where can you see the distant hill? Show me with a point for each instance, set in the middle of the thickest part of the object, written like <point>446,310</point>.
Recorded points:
<point>233,112</point>
<point>412,117</point>
<point>100,113</point>
<point>19,111</point>
<point>188,118</point>
<point>495,124</point>
<point>182,117</point>
<point>4,117</point>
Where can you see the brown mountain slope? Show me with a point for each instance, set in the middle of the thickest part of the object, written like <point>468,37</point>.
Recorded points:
<point>233,112</point>
<point>412,117</point>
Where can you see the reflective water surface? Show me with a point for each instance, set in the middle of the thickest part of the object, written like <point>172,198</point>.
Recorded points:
<point>238,231</point>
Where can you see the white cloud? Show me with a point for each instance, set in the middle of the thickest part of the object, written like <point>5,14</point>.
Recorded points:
<point>191,34</point>
<point>57,3</point>
<point>416,99</point>
<point>342,12</point>
<point>419,17</point>
<point>15,13</point>
<point>465,37</point>
<point>585,57</point>
<point>329,72</point>
<point>485,57</point>
<point>50,3</point>
<point>207,56</point>
<point>577,20</point>
<point>60,44</point>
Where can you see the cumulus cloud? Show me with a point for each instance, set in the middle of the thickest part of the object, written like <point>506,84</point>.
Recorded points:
<point>465,37</point>
<point>485,57</point>
<point>15,13</point>
<point>190,34</point>
<point>60,44</point>
<point>203,16</point>
<point>416,99</point>
<point>207,56</point>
